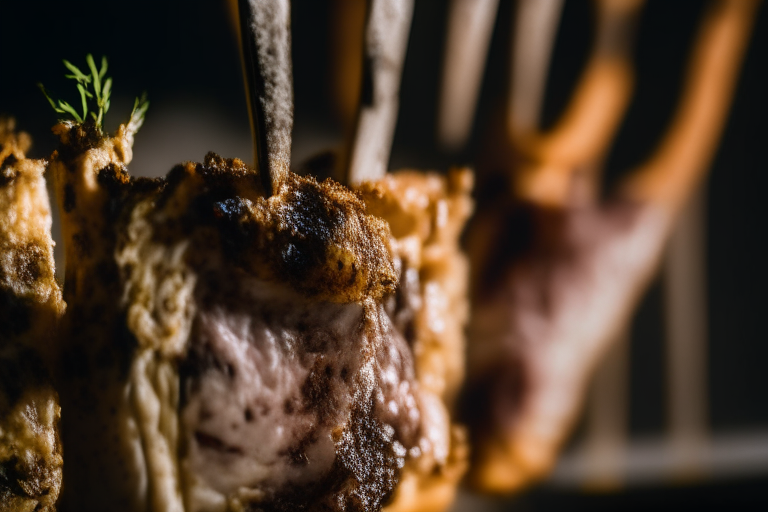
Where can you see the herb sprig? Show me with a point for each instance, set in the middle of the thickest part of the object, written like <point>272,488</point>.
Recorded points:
<point>95,85</point>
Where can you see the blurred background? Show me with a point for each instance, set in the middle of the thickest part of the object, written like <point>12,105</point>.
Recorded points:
<point>184,54</point>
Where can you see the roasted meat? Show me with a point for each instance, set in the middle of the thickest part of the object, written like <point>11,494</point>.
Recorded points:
<point>30,305</point>
<point>228,351</point>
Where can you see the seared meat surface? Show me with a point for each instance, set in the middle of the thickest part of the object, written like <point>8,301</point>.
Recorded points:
<point>30,305</point>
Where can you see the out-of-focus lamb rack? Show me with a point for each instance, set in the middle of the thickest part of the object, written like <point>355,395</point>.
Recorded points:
<point>30,306</point>
<point>557,270</point>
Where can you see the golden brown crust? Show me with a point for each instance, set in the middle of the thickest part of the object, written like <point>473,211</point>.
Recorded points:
<point>426,214</point>
<point>317,237</point>
<point>26,248</point>
<point>30,305</point>
<point>30,451</point>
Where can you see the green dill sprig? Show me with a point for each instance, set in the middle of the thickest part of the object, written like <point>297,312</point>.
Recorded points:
<point>140,107</point>
<point>95,85</point>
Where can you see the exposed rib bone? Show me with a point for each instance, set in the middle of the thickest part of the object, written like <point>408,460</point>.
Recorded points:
<point>681,160</point>
<point>536,25</point>
<point>265,37</point>
<point>470,25</point>
<point>588,124</point>
<point>386,39</point>
<point>685,318</point>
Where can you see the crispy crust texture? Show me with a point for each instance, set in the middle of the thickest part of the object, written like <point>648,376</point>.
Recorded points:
<point>426,213</point>
<point>30,305</point>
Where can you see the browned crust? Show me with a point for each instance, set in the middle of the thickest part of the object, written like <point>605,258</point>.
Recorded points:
<point>30,305</point>
<point>426,213</point>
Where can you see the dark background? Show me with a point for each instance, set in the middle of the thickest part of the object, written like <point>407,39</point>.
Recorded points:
<point>184,54</point>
